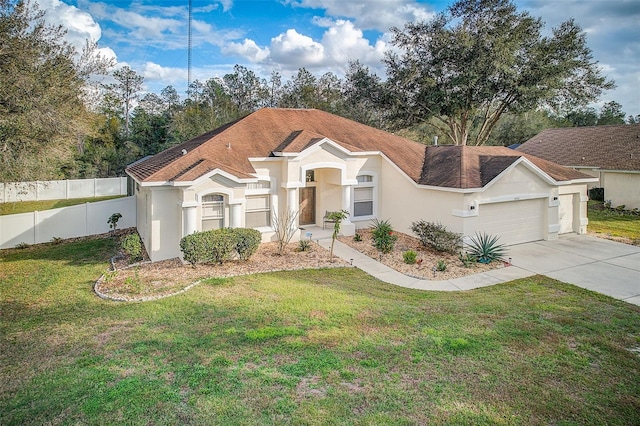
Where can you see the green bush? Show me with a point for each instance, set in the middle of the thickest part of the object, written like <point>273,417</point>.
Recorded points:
<point>485,248</point>
<point>221,244</point>
<point>247,241</point>
<point>596,194</point>
<point>304,245</point>
<point>436,236</point>
<point>132,246</point>
<point>441,266</point>
<point>382,234</point>
<point>218,245</point>
<point>410,257</point>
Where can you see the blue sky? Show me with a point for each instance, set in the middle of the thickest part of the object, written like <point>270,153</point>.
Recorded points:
<point>320,35</point>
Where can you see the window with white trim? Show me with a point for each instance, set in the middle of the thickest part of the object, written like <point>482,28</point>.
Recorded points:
<point>212,212</point>
<point>363,196</point>
<point>258,211</point>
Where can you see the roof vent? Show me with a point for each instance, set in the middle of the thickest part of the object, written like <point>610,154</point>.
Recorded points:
<point>184,152</point>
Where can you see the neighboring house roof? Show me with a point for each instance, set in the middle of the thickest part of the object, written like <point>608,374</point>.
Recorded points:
<point>606,147</point>
<point>272,132</point>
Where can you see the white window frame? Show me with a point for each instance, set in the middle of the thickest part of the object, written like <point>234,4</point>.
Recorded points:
<point>204,204</point>
<point>264,187</point>
<point>372,184</point>
<point>261,210</point>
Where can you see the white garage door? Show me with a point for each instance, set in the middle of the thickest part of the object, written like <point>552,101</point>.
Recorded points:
<point>565,213</point>
<point>514,221</point>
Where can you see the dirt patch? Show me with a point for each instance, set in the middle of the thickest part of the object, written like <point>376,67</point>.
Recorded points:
<point>427,258</point>
<point>147,281</point>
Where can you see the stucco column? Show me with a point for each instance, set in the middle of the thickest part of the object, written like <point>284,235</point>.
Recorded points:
<point>346,201</point>
<point>190,219</point>
<point>347,227</point>
<point>293,203</point>
<point>236,216</point>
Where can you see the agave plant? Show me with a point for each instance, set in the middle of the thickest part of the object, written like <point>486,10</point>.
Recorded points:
<point>485,248</point>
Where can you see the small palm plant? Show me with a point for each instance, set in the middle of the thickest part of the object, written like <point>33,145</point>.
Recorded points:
<point>486,249</point>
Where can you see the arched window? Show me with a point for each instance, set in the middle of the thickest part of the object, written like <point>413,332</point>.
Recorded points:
<point>363,196</point>
<point>212,212</point>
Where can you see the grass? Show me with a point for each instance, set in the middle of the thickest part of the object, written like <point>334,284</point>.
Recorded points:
<point>613,223</point>
<point>31,206</point>
<point>310,347</point>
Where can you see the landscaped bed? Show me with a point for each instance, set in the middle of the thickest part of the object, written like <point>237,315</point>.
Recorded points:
<point>148,281</point>
<point>427,259</point>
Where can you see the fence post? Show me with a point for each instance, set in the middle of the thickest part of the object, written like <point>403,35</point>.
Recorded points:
<point>35,227</point>
<point>66,189</point>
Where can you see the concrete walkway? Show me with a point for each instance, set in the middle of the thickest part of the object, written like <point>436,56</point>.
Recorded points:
<point>593,263</point>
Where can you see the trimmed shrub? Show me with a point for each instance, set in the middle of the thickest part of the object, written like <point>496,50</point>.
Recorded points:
<point>410,257</point>
<point>247,241</point>
<point>132,246</point>
<point>222,243</point>
<point>436,236</point>
<point>596,194</point>
<point>218,245</point>
<point>382,234</point>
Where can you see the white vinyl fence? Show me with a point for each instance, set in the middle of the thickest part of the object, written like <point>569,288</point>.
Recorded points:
<point>62,189</point>
<point>66,222</point>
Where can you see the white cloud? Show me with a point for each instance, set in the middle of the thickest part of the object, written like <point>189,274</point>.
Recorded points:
<point>153,72</point>
<point>247,49</point>
<point>140,27</point>
<point>80,25</point>
<point>377,15</point>
<point>341,43</point>
<point>293,48</point>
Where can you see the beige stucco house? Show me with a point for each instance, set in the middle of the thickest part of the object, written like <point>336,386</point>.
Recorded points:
<point>310,162</point>
<point>610,153</point>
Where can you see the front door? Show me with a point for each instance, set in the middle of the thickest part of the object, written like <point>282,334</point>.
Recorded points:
<point>307,205</point>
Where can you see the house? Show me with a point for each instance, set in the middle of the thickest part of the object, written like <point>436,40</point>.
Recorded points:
<point>310,162</point>
<point>610,153</point>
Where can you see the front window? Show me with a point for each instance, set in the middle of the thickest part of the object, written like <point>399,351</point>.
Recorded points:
<point>258,211</point>
<point>212,212</point>
<point>363,196</point>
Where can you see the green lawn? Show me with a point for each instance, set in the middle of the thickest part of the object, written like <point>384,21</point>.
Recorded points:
<point>31,206</point>
<point>613,223</point>
<point>313,347</point>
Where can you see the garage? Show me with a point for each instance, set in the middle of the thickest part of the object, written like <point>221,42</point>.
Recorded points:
<point>514,221</point>
<point>565,213</point>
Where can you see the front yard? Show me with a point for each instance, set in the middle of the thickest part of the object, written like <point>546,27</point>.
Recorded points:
<point>609,223</point>
<point>322,346</point>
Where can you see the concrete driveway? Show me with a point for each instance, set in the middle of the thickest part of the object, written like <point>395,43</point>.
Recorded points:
<point>593,263</point>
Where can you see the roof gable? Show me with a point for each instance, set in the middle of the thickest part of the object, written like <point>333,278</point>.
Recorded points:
<point>468,167</point>
<point>607,147</point>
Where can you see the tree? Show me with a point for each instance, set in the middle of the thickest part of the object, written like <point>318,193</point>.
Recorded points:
<point>246,90</point>
<point>300,91</point>
<point>126,90</point>
<point>482,58</point>
<point>513,128</point>
<point>363,93</point>
<point>611,113</point>
<point>42,114</point>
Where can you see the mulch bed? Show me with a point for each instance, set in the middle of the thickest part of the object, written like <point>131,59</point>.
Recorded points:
<point>427,258</point>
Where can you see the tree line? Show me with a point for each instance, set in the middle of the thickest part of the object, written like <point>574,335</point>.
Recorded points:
<point>479,73</point>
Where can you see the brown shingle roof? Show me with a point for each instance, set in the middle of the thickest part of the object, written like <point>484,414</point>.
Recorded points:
<point>466,167</point>
<point>268,131</point>
<point>607,147</point>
